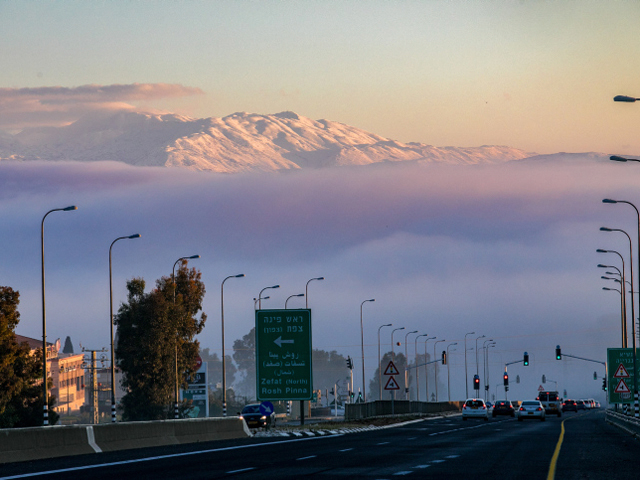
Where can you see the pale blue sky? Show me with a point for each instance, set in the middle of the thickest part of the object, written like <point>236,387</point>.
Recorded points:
<point>535,75</point>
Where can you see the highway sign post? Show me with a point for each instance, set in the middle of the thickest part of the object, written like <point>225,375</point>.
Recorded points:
<point>197,392</point>
<point>283,355</point>
<point>620,375</point>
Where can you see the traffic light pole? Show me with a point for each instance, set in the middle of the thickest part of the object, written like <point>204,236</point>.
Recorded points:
<point>506,380</point>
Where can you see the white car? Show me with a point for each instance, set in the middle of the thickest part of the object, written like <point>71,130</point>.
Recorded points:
<point>531,409</point>
<point>475,408</point>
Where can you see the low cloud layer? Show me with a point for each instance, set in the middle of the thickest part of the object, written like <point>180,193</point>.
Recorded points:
<point>56,106</point>
<point>507,251</point>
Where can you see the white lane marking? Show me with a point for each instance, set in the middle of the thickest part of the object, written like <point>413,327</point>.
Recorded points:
<point>383,443</point>
<point>412,438</point>
<point>422,466</point>
<point>452,456</point>
<point>162,457</point>
<point>306,458</point>
<point>241,470</point>
<point>456,430</point>
<point>346,450</point>
<point>437,461</point>
<point>403,473</point>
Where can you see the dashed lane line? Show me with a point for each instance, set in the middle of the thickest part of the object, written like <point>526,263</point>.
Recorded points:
<point>306,458</point>
<point>241,470</point>
<point>346,450</point>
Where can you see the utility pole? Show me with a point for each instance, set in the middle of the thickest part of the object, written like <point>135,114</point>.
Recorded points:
<point>93,369</point>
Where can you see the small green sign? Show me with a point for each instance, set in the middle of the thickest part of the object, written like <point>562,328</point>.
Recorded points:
<point>283,355</point>
<point>620,375</point>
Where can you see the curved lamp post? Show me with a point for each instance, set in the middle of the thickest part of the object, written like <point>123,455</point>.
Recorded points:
<point>406,366</point>
<point>364,394</point>
<point>306,290</point>
<point>224,364</point>
<point>380,361</point>
<point>113,358</point>
<point>175,287</point>
<point>477,368</point>
<point>484,371</point>
<point>291,296</point>
<point>415,350</point>
<point>255,302</point>
<point>426,377</point>
<point>448,374</point>
<point>466,376</point>
<point>45,399</point>
<point>486,354</point>
<point>625,98</point>
<point>624,297</point>
<point>435,366</point>
<point>260,297</point>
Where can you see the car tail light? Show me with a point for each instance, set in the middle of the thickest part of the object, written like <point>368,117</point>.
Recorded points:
<point>539,408</point>
<point>522,409</point>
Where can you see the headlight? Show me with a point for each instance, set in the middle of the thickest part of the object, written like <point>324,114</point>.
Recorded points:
<point>263,418</point>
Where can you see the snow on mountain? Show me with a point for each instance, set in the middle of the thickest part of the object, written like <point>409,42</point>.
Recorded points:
<point>235,143</point>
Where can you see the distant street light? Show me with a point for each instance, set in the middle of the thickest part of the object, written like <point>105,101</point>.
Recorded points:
<point>435,366</point>
<point>255,302</point>
<point>45,399</point>
<point>364,393</point>
<point>484,371</point>
<point>415,356</point>
<point>448,371</point>
<point>624,98</point>
<point>617,158</point>
<point>624,297</point>
<point>466,376</point>
<point>113,358</point>
<point>406,366</point>
<point>306,290</point>
<point>380,361</point>
<point>477,368</point>
<point>291,296</point>
<point>260,297</point>
<point>224,364</point>
<point>175,288</point>
<point>426,372</point>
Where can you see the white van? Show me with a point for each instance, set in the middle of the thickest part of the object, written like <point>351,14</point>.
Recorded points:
<point>551,402</point>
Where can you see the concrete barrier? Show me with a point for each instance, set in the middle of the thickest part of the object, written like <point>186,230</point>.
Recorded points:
<point>22,444</point>
<point>359,411</point>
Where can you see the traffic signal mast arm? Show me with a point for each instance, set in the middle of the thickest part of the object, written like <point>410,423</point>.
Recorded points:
<point>409,367</point>
<point>585,359</point>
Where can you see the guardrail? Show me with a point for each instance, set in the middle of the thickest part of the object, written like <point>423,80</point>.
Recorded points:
<point>359,411</point>
<point>23,444</point>
<point>628,423</point>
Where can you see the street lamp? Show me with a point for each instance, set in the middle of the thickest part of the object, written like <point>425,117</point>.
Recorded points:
<point>415,351</point>
<point>380,361</point>
<point>426,376</point>
<point>484,371</point>
<point>113,363</point>
<point>393,355</point>
<point>406,366</point>
<point>364,394</point>
<point>260,297</point>
<point>633,323</point>
<point>624,297</point>
<point>435,366</point>
<point>617,158</point>
<point>306,290</point>
<point>448,374</point>
<point>291,296</point>
<point>491,345</point>
<point>45,400</point>
<point>224,364</point>
<point>466,376</point>
<point>175,288</point>
<point>255,302</point>
<point>624,98</point>
<point>477,369</point>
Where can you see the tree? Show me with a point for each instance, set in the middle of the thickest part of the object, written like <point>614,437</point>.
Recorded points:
<point>68,346</point>
<point>20,371</point>
<point>154,328</point>
<point>400,362</point>
<point>244,354</point>
<point>328,369</point>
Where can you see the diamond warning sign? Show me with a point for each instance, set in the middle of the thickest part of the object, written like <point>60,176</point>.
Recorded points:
<point>391,369</point>
<point>621,388</point>
<point>621,372</point>
<point>392,384</point>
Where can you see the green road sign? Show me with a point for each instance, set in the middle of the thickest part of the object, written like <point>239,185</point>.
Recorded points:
<point>283,355</point>
<point>620,375</point>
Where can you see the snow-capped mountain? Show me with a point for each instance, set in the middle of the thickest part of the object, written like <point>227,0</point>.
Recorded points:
<point>235,143</point>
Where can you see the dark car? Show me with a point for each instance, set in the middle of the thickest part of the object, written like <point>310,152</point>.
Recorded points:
<point>255,418</point>
<point>580,405</point>
<point>504,407</point>
<point>569,405</point>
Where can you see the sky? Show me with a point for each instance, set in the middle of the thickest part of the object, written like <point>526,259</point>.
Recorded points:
<point>534,75</point>
<point>504,251</point>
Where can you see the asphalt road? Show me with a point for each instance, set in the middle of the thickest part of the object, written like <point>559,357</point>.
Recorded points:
<point>442,448</point>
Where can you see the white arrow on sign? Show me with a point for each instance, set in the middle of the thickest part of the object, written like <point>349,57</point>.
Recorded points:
<point>278,341</point>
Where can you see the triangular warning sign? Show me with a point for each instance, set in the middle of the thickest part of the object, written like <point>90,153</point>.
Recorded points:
<point>392,384</point>
<point>621,372</point>
<point>541,388</point>
<point>391,369</point>
<point>621,388</point>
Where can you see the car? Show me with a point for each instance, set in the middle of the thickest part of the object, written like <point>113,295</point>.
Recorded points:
<point>569,405</point>
<point>254,417</point>
<point>475,408</point>
<point>503,407</point>
<point>551,402</point>
<point>580,405</point>
<point>593,403</point>
<point>531,409</point>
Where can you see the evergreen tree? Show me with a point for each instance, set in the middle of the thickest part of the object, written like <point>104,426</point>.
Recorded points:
<point>244,354</point>
<point>152,327</point>
<point>20,372</point>
<point>68,346</point>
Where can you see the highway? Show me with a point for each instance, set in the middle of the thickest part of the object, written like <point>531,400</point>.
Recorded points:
<point>440,448</point>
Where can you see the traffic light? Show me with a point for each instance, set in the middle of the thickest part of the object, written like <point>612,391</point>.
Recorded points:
<point>604,384</point>
<point>544,379</point>
<point>506,379</point>
<point>558,353</point>
<point>526,359</point>
<point>476,382</point>
<point>349,363</point>
<point>595,375</point>
<point>444,357</point>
